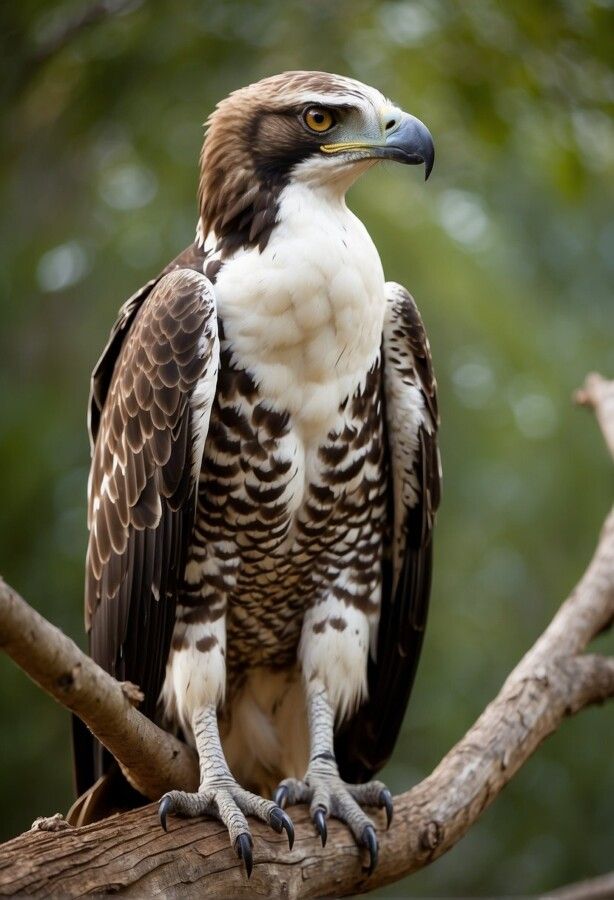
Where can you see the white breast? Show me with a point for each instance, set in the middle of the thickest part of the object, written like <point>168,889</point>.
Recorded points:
<point>305,316</point>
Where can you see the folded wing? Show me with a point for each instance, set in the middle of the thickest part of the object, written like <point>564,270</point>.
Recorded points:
<point>366,742</point>
<point>148,428</point>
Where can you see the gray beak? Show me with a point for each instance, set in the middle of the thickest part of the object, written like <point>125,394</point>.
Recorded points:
<point>410,143</point>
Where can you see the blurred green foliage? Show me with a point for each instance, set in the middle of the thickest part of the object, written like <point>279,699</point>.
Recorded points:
<point>508,250</point>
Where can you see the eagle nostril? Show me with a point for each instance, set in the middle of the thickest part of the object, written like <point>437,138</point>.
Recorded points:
<point>390,124</point>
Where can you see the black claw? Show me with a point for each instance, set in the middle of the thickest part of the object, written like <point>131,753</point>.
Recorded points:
<point>163,810</point>
<point>243,848</point>
<point>385,801</point>
<point>369,840</point>
<point>319,820</point>
<point>281,795</point>
<point>280,821</point>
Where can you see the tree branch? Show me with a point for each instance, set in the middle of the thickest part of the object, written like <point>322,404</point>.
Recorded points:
<point>600,888</point>
<point>131,853</point>
<point>153,760</point>
<point>598,393</point>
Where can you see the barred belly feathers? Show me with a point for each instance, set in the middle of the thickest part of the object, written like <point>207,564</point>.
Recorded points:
<point>265,474</point>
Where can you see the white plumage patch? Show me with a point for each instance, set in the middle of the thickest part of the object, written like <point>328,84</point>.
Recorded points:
<point>195,677</point>
<point>348,92</point>
<point>202,398</point>
<point>334,648</point>
<point>305,315</point>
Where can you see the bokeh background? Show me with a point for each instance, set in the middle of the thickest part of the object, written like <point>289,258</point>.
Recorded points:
<point>508,249</point>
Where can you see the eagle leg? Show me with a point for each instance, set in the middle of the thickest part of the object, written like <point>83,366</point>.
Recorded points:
<point>323,788</point>
<point>220,796</point>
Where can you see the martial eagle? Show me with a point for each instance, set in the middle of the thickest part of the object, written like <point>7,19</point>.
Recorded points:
<point>265,473</point>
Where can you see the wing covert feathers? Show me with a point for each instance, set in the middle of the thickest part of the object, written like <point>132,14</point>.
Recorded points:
<point>150,433</point>
<point>411,421</point>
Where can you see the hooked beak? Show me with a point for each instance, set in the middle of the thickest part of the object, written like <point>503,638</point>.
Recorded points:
<point>410,142</point>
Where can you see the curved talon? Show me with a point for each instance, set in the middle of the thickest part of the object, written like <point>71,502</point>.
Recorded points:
<point>163,810</point>
<point>281,821</point>
<point>369,840</point>
<point>243,849</point>
<point>319,820</point>
<point>385,801</point>
<point>281,795</point>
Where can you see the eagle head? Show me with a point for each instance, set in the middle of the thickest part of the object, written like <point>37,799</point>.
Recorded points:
<point>310,127</point>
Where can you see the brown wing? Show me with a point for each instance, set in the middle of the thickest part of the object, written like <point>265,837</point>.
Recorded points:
<point>411,420</point>
<point>146,459</point>
<point>193,257</point>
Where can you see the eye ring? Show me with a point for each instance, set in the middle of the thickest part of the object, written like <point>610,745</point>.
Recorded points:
<point>318,119</point>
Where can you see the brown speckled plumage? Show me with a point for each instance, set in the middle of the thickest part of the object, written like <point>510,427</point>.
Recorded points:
<point>231,541</point>
<point>241,503</point>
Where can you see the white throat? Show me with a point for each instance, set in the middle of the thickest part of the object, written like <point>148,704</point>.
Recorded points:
<point>305,315</point>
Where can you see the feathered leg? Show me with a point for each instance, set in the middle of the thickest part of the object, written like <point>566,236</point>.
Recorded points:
<point>194,687</point>
<point>333,654</point>
<point>220,796</point>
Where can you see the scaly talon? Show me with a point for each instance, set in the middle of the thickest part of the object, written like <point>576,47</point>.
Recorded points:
<point>319,820</point>
<point>330,796</point>
<point>243,849</point>
<point>163,809</point>
<point>369,840</point>
<point>281,796</point>
<point>281,821</point>
<point>226,801</point>
<point>385,802</point>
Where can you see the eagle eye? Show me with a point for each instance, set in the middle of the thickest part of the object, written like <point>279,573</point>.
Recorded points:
<point>318,119</point>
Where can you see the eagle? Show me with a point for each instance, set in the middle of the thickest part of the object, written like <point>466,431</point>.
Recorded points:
<point>265,474</point>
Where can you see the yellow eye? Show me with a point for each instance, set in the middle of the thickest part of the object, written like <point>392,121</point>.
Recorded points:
<point>318,119</point>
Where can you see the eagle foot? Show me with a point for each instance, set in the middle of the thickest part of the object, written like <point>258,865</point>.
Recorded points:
<point>327,795</point>
<point>230,804</point>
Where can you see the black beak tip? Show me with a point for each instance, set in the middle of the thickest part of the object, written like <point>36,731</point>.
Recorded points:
<point>412,143</point>
<point>428,153</point>
<point>428,166</point>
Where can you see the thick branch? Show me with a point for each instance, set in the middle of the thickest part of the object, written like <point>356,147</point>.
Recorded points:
<point>153,760</point>
<point>131,853</point>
